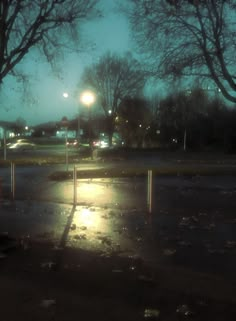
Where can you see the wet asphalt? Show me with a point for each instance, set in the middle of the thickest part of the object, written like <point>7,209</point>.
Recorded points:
<point>191,222</point>
<point>190,228</point>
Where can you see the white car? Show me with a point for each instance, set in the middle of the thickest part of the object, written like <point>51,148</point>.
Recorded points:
<point>22,145</point>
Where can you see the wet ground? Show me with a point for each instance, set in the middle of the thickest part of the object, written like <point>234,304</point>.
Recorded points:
<point>173,261</point>
<point>192,218</point>
<point>192,223</point>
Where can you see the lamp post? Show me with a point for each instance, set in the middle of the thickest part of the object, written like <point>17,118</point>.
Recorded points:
<point>66,96</point>
<point>88,98</point>
<point>4,144</point>
<point>64,124</point>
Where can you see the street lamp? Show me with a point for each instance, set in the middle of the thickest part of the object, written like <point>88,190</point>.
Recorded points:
<point>64,124</point>
<point>66,95</point>
<point>88,98</point>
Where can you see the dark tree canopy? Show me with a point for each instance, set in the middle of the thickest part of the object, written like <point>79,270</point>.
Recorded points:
<point>25,24</point>
<point>189,38</point>
<point>114,78</point>
<point>134,129</point>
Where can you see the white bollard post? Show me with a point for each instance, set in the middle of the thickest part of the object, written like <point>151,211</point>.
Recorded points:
<point>66,147</point>
<point>5,145</point>
<point>149,191</point>
<point>75,185</point>
<point>13,181</point>
<point>11,177</point>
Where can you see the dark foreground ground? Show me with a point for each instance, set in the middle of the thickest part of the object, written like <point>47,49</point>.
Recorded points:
<point>44,278</point>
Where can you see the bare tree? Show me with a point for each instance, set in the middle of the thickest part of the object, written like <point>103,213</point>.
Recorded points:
<point>181,113</point>
<point>134,129</point>
<point>25,24</point>
<point>114,78</point>
<point>189,38</point>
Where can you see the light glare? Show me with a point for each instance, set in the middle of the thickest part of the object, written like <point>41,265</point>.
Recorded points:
<point>87,98</point>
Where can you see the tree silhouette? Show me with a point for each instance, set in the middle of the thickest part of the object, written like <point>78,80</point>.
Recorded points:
<point>189,38</point>
<point>134,129</point>
<point>25,24</point>
<point>114,78</point>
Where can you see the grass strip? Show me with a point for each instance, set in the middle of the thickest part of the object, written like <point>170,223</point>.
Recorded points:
<point>192,170</point>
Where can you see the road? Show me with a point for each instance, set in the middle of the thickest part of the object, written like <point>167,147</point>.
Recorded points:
<point>40,150</point>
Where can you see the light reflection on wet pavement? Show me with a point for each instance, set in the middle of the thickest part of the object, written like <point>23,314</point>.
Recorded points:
<point>202,242</point>
<point>193,223</point>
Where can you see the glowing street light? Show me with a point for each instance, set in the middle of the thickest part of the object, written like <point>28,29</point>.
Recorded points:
<point>87,98</point>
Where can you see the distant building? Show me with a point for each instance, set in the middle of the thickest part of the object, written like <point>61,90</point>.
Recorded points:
<point>6,130</point>
<point>1,132</point>
<point>62,133</point>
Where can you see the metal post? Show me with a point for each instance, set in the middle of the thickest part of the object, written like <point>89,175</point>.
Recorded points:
<point>75,185</point>
<point>149,189</point>
<point>4,145</point>
<point>1,195</point>
<point>78,130</point>
<point>13,181</point>
<point>185,138</point>
<point>90,133</point>
<point>11,177</point>
<point>66,149</point>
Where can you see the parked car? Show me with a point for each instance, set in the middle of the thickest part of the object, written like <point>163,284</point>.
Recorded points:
<point>72,143</point>
<point>100,143</point>
<point>22,145</point>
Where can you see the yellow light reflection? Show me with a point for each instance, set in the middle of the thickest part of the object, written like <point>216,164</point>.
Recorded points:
<point>94,191</point>
<point>88,217</point>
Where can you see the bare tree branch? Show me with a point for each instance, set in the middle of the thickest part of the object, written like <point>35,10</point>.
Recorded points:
<point>189,37</point>
<point>25,24</point>
<point>113,79</point>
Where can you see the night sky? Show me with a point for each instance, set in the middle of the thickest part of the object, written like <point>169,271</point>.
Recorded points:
<point>43,100</point>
